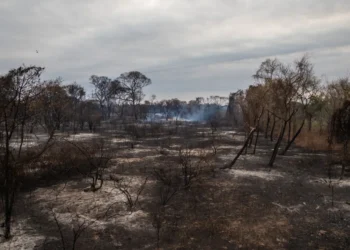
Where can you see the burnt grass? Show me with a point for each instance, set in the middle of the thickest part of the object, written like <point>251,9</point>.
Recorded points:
<point>250,206</point>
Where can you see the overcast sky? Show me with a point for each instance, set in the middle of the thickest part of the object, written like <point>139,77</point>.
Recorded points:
<point>188,48</point>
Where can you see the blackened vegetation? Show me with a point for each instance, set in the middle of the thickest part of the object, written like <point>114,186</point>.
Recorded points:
<point>114,170</point>
<point>340,131</point>
<point>19,88</point>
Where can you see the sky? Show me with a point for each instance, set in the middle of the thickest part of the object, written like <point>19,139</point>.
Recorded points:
<point>188,48</point>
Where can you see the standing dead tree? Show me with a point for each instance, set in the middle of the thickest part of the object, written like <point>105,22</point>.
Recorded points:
<point>169,184</point>
<point>158,222</point>
<point>340,131</point>
<point>98,157</point>
<point>18,89</point>
<point>268,120</point>
<point>124,187</point>
<point>78,223</point>
<point>190,166</point>
<point>273,127</point>
<point>258,129</point>
<point>245,145</point>
<point>280,137</point>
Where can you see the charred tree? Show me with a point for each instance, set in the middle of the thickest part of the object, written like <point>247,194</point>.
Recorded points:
<point>293,139</point>
<point>273,128</point>
<point>280,138</point>
<point>340,130</point>
<point>267,124</point>
<point>257,130</point>
<point>241,150</point>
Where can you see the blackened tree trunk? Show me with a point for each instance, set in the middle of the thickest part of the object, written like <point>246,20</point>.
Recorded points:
<point>257,130</point>
<point>345,157</point>
<point>251,141</point>
<point>9,202</point>
<point>273,128</point>
<point>293,139</point>
<point>135,109</point>
<point>289,130</point>
<point>267,124</point>
<point>256,140</point>
<point>109,110</point>
<point>309,117</point>
<point>246,137</point>
<point>8,187</point>
<point>294,126</point>
<point>121,111</point>
<point>241,150</point>
<point>278,143</point>
<point>321,128</point>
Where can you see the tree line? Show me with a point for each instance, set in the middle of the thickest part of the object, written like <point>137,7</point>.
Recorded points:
<point>28,104</point>
<point>287,100</point>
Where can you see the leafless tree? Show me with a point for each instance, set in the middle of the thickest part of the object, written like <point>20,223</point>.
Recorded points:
<point>98,155</point>
<point>169,184</point>
<point>190,166</point>
<point>340,131</point>
<point>78,224</point>
<point>123,186</point>
<point>158,220</point>
<point>18,89</point>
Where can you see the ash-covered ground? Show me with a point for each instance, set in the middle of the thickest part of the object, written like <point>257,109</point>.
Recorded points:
<point>294,205</point>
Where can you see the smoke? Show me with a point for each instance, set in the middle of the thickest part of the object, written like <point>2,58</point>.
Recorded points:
<point>206,113</point>
<point>189,113</point>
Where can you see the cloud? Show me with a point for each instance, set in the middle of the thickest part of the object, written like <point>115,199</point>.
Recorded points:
<point>187,48</point>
